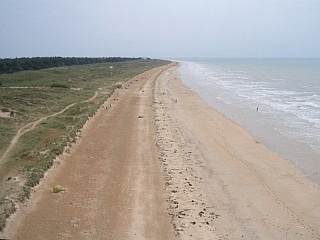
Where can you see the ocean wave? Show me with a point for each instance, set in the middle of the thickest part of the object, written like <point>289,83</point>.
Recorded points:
<point>294,101</point>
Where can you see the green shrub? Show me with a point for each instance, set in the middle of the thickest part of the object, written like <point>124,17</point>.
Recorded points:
<point>58,85</point>
<point>7,207</point>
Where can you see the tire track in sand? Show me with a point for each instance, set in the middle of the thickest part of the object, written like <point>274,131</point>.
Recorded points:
<point>296,218</point>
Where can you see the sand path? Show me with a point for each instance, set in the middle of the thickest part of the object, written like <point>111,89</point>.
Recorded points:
<point>114,188</point>
<point>28,127</point>
<point>161,164</point>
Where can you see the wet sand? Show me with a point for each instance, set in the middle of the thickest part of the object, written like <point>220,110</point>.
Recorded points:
<point>252,192</point>
<point>162,164</point>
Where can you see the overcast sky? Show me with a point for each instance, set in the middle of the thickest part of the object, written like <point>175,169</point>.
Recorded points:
<point>160,28</point>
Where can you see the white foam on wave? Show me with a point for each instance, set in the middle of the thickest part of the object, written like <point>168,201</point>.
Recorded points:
<point>296,109</point>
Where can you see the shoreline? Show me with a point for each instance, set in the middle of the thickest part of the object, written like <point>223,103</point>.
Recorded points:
<point>266,131</point>
<point>252,192</point>
<point>299,154</point>
<point>162,164</point>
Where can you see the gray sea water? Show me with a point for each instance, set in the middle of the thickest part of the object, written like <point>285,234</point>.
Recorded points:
<point>276,100</point>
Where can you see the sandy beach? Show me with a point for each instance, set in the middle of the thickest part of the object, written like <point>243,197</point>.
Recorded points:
<point>156,162</point>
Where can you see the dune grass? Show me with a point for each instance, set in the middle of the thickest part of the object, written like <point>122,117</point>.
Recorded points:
<point>32,95</point>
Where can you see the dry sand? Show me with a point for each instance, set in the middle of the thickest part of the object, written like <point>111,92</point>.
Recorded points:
<point>161,164</point>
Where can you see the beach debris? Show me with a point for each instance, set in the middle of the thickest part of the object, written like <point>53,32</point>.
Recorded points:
<point>57,188</point>
<point>201,213</point>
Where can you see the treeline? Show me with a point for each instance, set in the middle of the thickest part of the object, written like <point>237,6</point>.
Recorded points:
<point>11,65</point>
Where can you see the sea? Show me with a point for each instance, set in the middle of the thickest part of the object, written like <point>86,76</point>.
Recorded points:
<point>276,100</point>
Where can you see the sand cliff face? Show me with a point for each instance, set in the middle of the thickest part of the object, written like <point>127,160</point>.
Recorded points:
<point>156,162</point>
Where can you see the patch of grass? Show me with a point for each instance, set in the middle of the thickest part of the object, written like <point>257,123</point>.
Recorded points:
<point>30,94</point>
<point>58,85</point>
<point>7,207</point>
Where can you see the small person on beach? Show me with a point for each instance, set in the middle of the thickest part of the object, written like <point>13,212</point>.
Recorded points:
<point>257,109</point>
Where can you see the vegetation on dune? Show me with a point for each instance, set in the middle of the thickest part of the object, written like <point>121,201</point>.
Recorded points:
<point>9,65</point>
<point>33,95</point>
